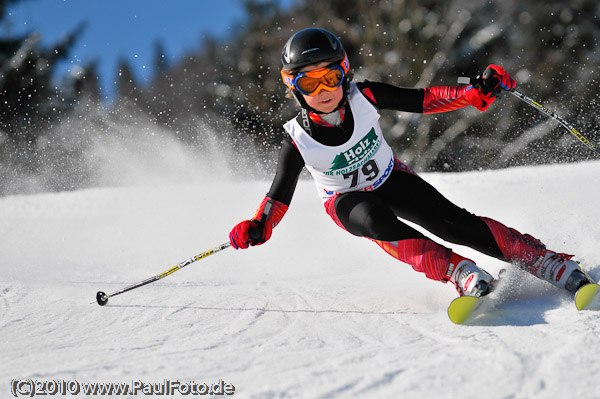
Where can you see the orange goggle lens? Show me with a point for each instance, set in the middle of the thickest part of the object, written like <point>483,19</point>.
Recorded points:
<point>309,82</point>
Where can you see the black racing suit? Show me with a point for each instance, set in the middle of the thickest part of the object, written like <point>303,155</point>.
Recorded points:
<point>404,195</point>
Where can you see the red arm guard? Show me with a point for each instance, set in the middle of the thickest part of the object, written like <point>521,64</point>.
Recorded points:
<point>275,212</point>
<point>444,99</point>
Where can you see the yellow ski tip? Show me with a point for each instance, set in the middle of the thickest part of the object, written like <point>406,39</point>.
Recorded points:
<point>461,308</point>
<point>585,295</point>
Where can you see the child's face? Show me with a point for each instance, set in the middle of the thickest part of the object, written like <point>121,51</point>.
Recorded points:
<point>324,101</point>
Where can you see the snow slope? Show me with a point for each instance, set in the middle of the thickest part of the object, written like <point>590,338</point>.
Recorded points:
<point>314,313</point>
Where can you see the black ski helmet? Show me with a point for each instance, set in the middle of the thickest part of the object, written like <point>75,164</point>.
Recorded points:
<point>311,46</point>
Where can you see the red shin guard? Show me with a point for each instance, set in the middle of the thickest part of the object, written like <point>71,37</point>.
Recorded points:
<point>516,247</point>
<point>423,255</point>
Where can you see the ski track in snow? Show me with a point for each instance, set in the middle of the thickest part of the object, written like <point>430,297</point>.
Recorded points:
<point>314,313</point>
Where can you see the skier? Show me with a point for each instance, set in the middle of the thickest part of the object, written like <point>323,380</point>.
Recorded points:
<point>366,190</point>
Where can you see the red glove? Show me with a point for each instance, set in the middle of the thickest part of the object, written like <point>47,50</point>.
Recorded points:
<point>257,230</point>
<point>250,233</point>
<point>495,78</point>
<point>484,92</point>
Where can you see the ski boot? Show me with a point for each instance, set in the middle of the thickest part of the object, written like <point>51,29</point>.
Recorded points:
<point>560,271</point>
<point>470,280</point>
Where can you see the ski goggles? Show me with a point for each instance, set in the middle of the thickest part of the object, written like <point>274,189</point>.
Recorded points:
<point>311,82</point>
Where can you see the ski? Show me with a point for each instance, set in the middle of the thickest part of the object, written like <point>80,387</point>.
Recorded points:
<point>587,297</point>
<point>462,308</point>
<point>465,308</point>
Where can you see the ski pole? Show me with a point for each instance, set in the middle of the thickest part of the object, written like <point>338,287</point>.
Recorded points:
<point>254,233</point>
<point>102,298</point>
<point>541,108</point>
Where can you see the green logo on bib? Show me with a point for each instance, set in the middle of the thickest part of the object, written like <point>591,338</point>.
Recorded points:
<point>362,150</point>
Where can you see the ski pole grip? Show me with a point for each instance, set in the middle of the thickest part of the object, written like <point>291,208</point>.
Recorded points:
<point>254,233</point>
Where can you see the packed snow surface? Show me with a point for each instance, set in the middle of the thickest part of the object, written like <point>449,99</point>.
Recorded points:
<point>313,313</point>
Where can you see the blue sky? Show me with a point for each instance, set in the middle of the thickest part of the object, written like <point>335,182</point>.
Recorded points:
<point>125,29</point>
